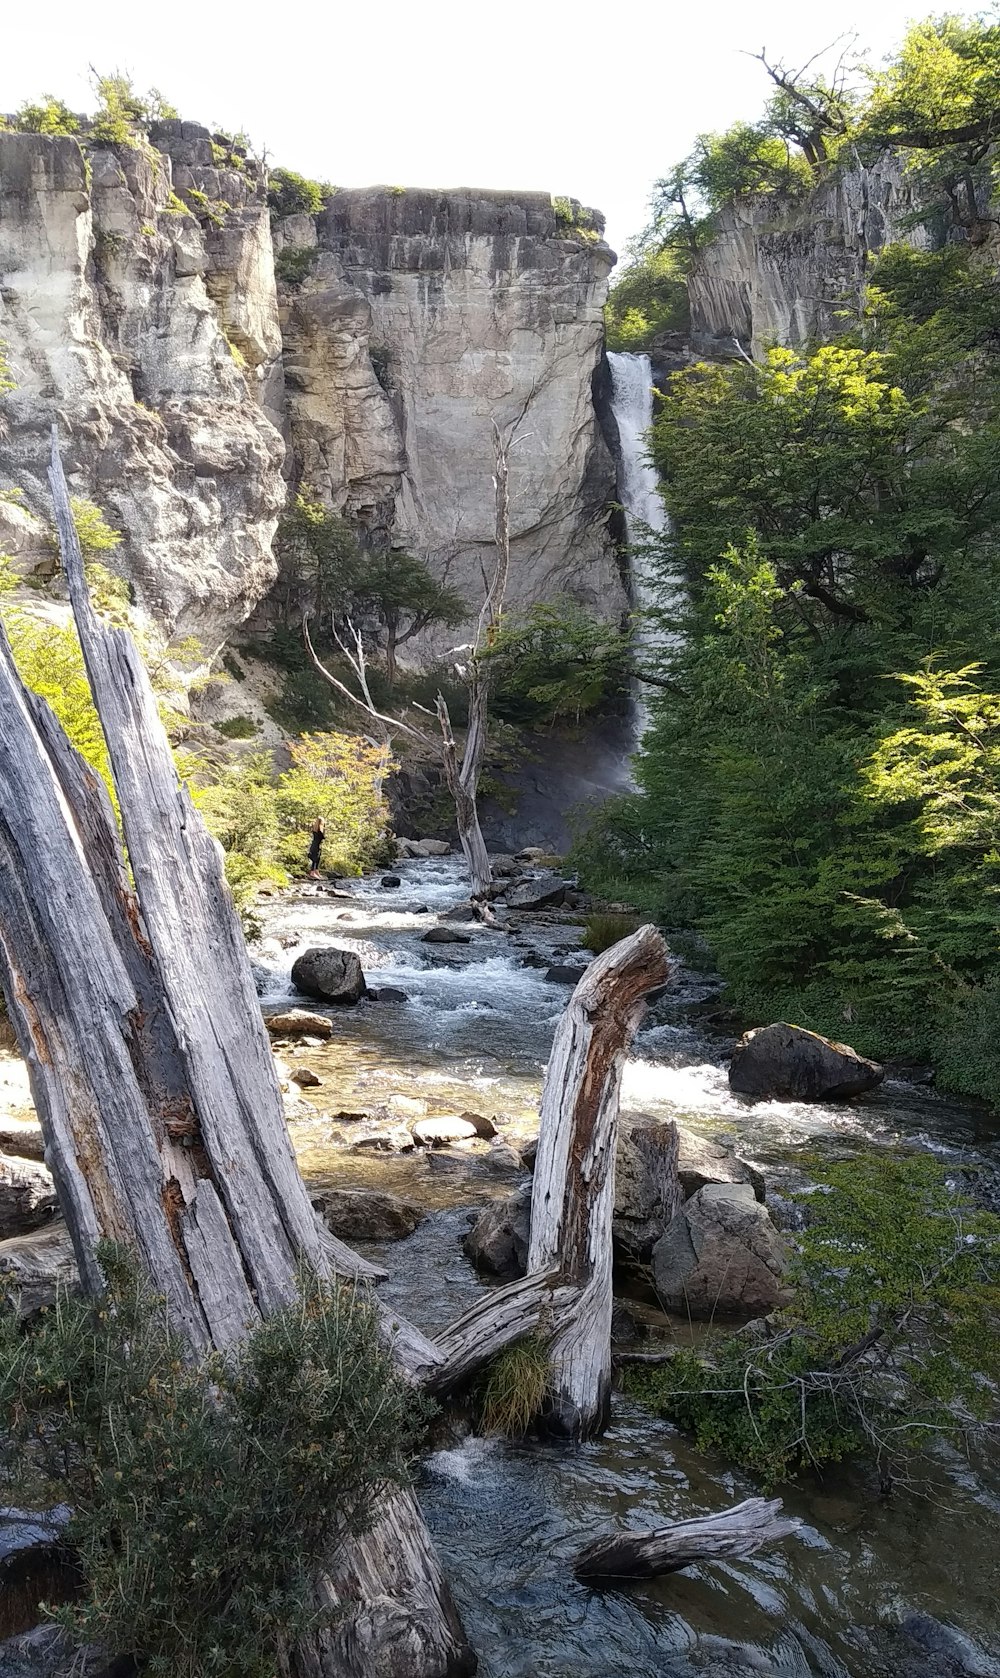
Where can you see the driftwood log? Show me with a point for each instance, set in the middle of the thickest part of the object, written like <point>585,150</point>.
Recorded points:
<point>739,1531</point>
<point>155,1084</point>
<point>572,1200</point>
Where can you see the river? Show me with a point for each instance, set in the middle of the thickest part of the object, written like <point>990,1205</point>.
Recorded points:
<point>868,1588</point>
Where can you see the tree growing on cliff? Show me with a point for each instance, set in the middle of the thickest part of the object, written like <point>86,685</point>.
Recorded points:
<point>462,765</point>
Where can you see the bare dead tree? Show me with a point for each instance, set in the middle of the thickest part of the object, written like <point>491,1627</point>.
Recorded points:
<point>462,765</point>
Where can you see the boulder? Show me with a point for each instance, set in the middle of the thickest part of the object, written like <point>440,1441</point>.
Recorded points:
<point>33,1267</point>
<point>531,853</point>
<point>498,1240</point>
<point>27,1196</point>
<point>366,1214</point>
<point>647,1192</point>
<point>422,848</point>
<point>786,1063</point>
<point>505,867</point>
<point>503,1159</point>
<point>437,1133</point>
<point>332,974</point>
<point>721,1254</point>
<point>388,993</point>
<point>298,1022</point>
<point>390,881</point>
<point>394,1139</point>
<point>701,1160</point>
<point>462,912</point>
<point>545,892</point>
<point>305,1078</point>
<point>445,935</point>
<point>563,974</point>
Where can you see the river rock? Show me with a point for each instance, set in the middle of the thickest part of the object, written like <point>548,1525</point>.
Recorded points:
<point>701,1160</point>
<point>787,1063</point>
<point>390,881</point>
<point>422,848</point>
<point>438,1133</point>
<point>305,1077</point>
<point>34,1266</point>
<point>498,1240</point>
<point>721,1254</point>
<point>462,913</point>
<point>332,974</point>
<point>505,867</point>
<point>647,1192</point>
<point>27,1195</point>
<point>503,1159</point>
<point>388,993</point>
<point>366,1214</point>
<point>394,1139</point>
<point>298,1022</point>
<point>445,935</point>
<point>563,974</point>
<point>545,892</point>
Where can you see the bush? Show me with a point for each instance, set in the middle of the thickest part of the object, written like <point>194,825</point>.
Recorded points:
<point>294,263</point>
<point>891,1342</point>
<point>290,194</point>
<point>237,728</point>
<point>203,1496</point>
<point>603,930</point>
<point>49,116</point>
<point>515,1388</point>
<point>338,777</point>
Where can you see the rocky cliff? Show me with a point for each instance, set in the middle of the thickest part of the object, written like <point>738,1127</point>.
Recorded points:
<point>782,271</point>
<point>140,308</point>
<point>421,317</point>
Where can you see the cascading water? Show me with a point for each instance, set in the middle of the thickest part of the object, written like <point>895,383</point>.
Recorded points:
<point>645,514</point>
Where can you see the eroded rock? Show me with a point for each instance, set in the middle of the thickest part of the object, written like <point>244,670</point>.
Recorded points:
<point>547,891</point>
<point>366,1214</point>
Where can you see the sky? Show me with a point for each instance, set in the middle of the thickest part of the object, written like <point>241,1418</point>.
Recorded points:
<point>573,99</point>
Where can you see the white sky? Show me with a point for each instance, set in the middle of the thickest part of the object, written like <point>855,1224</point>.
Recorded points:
<point>590,101</point>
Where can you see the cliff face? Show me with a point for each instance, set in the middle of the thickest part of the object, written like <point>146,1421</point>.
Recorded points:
<point>115,311</point>
<point>423,316</point>
<point>780,271</point>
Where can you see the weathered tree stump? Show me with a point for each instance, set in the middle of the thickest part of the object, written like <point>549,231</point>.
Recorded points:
<point>573,1191</point>
<point>739,1531</point>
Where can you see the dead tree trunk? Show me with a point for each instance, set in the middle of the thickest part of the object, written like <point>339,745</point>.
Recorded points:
<point>155,1084</point>
<point>572,1199</point>
<point>739,1531</point>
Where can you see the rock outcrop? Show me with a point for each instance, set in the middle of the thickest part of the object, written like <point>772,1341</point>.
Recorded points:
<point>787,1063</point>
<point>138,308</point>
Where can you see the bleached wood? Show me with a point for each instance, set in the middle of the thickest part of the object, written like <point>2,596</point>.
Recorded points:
<point>573,1192</point>
<point>502,1317</point>
<point>739,1531</point>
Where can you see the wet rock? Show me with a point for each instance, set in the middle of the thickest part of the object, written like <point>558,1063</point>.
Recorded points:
<point>445,935</point>
<point>22,1137</point>
<point>485,1128</point>
<point>421,909</point>
<point>647,1193</point>
<point>503,1159</point>
<point>462,912</point>
<point>505,867</point>
<point>936,1650</point>
<point>528,1154</point>
<point>565,975</point>
<point>438,1133</point>
<point>305,1078</point>
<point>298,1022</point>
<point>532,853</point>
<point>388,993</point>
<point>27,1196</point>
<point>786,1063</point>
<point>349,1118</point>
<point>702,1160</point>
<point>422,848</point>
<point>34,1266</point>
<point>498,1240</point>
<point>335,975</point>
<point>395,1139</point>
<point>721,1253</point>
<point>390,881</point>
<point>547,891</point>
<point>366,1214</point>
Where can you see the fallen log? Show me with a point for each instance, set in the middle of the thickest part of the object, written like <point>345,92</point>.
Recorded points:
<point>152,1074</point>
<point>573,1191</point>
<point>739,1531</point>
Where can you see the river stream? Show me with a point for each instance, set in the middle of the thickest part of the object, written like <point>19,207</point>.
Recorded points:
<point>868,1588</point>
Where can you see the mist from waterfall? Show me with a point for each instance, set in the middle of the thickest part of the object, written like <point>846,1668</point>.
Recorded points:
<point>645,514</point>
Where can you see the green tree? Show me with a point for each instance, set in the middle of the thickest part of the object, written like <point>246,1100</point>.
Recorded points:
<point>291,194</point>
<point>48,116</point>
<point>399,592</point>
<point>555,661</point>
<point>648,298</point>
<point>339,777</point>
<point>320,558</point>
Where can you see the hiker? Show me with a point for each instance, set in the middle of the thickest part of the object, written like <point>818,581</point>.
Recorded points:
<point>316,847</point>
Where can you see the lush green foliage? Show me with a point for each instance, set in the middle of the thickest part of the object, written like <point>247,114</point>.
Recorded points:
<point>202,1496</point>
<point>47,115</point>
<point>290,194</point>
<point>557,661</point>
<point>890,1345</point>
<point>294,263</point>
<point>647,299</point>
<point>606,927</point>
<point>339,777</point>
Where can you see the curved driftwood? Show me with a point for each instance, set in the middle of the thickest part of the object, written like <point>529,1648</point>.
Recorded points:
<point>573,1192</point>
<point>642,1555</point>
<point>502,1317</point>
<point>155,1084</point>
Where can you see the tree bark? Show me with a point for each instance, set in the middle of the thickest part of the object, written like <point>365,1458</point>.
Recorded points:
<point>739,1531</point>
<point>573,1191</point>
<point>155,1084</point>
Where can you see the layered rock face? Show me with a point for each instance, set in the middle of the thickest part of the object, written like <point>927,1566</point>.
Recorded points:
<point>780,271</point>
<point>422,317</point>
<point>150,332</point>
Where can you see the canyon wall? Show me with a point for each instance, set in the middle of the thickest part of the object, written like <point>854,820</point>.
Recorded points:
<point>140,308</point>
<point>783,271</point>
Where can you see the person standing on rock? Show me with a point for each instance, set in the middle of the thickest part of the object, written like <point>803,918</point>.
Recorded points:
<point>316,846</point>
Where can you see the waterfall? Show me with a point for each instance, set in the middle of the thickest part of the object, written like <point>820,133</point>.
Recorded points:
<point>638,491</point>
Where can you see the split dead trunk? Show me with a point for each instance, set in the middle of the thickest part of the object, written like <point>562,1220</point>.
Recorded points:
<point>155,1083</point>
<point>573,1193</point>
<point>739,1531</point>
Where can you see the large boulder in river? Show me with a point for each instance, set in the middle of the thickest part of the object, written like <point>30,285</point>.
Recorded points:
<point>27,1196</point>
<point>721,1254</point>
<point>498,1240</point>
<point>545,892</point>
<point>787,1063</point>
<point>331,974</point>
<point>366,1214</point>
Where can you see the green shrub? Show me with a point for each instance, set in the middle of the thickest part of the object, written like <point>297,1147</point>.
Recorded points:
<point>290,194</point>
<point>294,263</point>
<point>237,728</point>
<point>203,1496</point>
<point>601,930</point>
<point>891,1342</point>
<point>49,116</point>
<point>515,1388</point>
